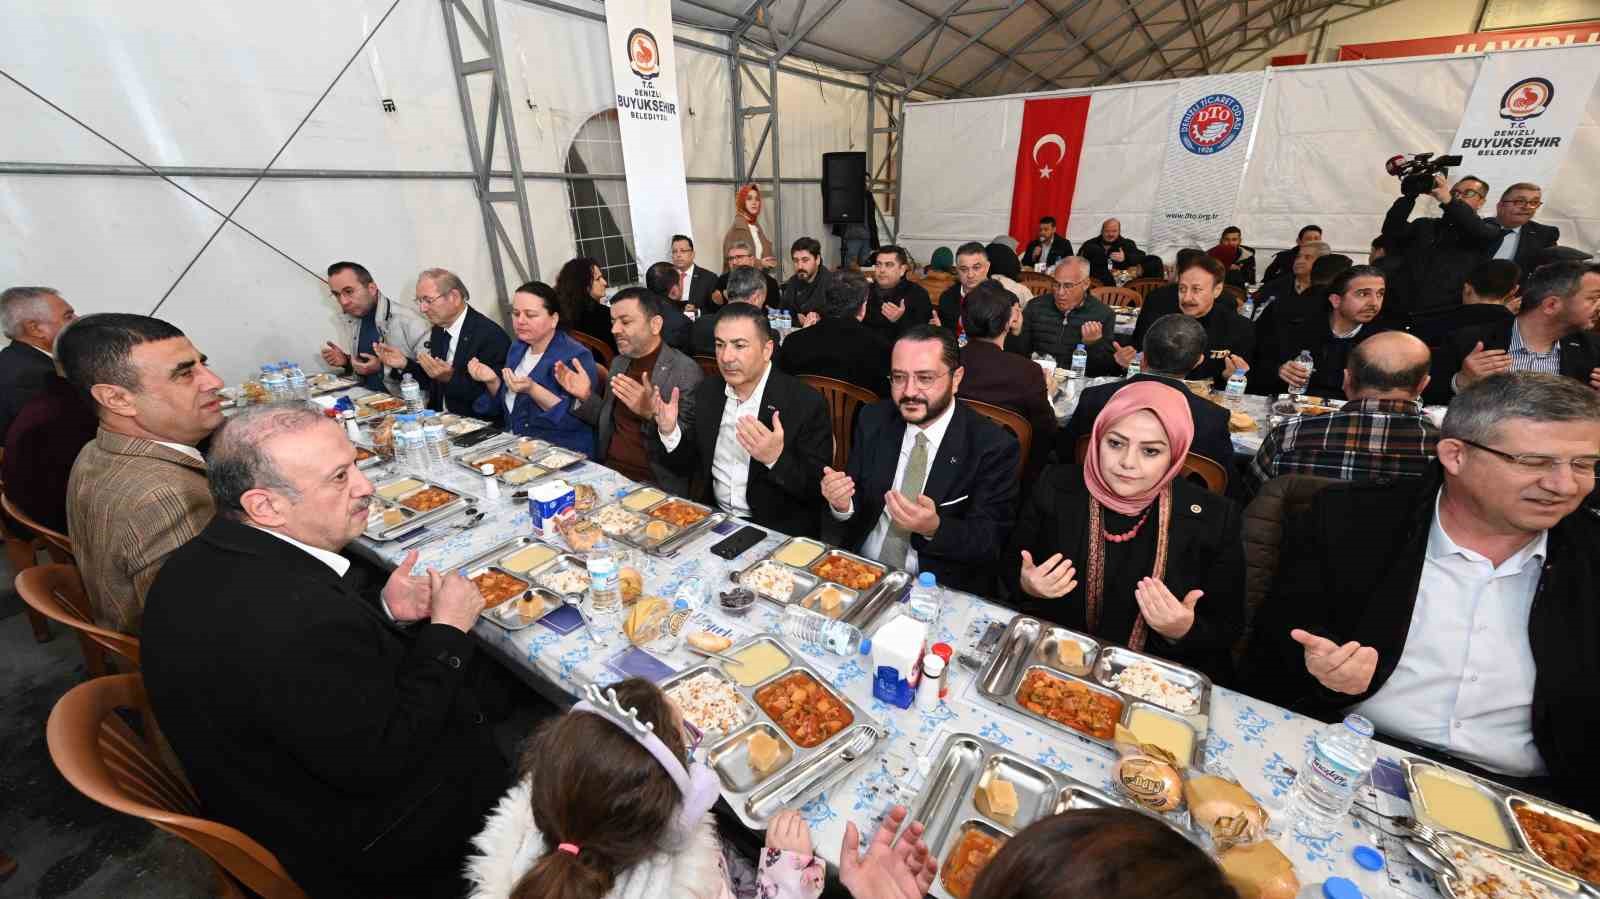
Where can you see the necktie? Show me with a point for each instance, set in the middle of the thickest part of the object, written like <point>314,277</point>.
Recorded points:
<point>683,286</point>
<point>898,541</point>
<point>439,346</point>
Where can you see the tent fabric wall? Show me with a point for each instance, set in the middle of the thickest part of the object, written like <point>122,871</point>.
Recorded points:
<point>225,85</point>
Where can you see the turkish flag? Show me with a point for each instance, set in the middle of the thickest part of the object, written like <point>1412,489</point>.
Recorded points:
<point>1047,164</point>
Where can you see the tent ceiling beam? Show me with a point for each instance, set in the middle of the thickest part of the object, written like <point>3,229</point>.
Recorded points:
<point>1026,42</point>
<point>971,39</point>
<point>976,38</point>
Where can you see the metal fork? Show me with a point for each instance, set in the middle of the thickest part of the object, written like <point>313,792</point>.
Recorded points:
<point>471,520</point>
<point>1425,843</point>
<point>860,743</point>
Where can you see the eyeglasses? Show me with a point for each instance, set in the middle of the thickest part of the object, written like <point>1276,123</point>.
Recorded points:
<point>1068,285</point>
<point>924,379</point>
<point>429,301</point>
<point>1523,204</point>
<point>1466,192</point>
<point>1533,463</point>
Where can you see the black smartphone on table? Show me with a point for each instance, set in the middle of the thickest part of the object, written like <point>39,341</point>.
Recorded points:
<point>742,540</point>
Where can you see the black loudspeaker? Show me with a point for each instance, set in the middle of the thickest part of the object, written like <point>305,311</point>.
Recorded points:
<point>844,188</point>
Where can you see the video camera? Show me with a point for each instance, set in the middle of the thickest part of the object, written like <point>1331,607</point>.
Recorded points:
<point>1416,171</point>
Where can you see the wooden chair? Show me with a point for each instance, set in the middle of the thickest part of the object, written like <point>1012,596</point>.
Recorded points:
<point>602,351</point>
<point>60,544</point>
<point>843,399</point>
<point>1280,500</point>
<point>1143,286</point>
<point>1011,421</point>
<point>1038,282</point>
<point>105,760</point>
<point>1117,296</point>
<point>56,591</point>
<point>1195,467</point>
<point>708,365</point>
<point>1236,292</point>
<point>23,554</point>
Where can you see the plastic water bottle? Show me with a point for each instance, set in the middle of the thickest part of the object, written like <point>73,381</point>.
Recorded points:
<point>605,590</point>
<point>417,458</point>
<point>925,601</point>
<point>276,382</point>
<point>1080,362</point>
<point>1235,390</point>
<point>1303,359</point>
<point>814,628</point>
<point>298,389</point>
<point>1248,310</point>
<point>1137,365</point>
<point>1340,758</point>
<point>411,392</point>
<point>435,439</point>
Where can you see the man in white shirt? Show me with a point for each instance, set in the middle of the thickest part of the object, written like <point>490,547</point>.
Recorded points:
<point>459,333</point>
<point>756,435</point>
<point>268,666</point>
<point>695,284</point>
<point>1458,612</point>
<point>931,485</point>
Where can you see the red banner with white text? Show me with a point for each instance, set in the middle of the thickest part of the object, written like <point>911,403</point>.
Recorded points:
<point>1047,164</point>
<point>1572,34</point>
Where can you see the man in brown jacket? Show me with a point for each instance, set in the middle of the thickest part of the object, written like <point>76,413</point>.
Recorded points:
<point>138,490</point>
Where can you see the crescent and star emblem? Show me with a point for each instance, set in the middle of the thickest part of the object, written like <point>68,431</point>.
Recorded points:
<point>1045,141</point>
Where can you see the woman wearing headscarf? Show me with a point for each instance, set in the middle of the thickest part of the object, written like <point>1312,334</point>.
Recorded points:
<point>747,227</point>
<point>1126,550</point>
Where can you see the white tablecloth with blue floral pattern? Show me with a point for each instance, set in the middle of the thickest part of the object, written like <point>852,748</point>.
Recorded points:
<point>1254,740</point>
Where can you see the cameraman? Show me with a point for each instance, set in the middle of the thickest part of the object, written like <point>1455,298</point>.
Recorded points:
<point>1438,252</point>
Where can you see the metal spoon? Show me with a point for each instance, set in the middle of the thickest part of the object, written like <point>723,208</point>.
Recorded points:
<point>852,750</point>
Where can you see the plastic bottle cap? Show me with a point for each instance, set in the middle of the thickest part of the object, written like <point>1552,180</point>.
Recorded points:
<point>1340,888</point>
<point>943,651</point>
<point>486,470</point>
<point>866,646</point>
<point>932,665</point>
<point>1368,858</point>
<point>926,579</point>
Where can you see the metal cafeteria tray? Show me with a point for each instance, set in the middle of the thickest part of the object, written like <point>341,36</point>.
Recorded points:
<point>473,572</point>
<point>365,412</point>
<point>1113,659</point>
<point>382,532</point>
<point>797,542</point>
<point>1028,645</point>
<point>502,553</point>
<point>634,520</point>
<point>1514,800</point>
<point>565,561</point>
<point>496,449</point>
<point>558,454</point>
<point>677,541</point>
<point>505,615</point>
<point>883,570</point>
<point>746,706</point>
<point>804,582</point>
<point>371,461</point>
<point>329,385</point>
<point>947,805</point>
<point>1560,884</point>
<point>758,797</point>
<point>644,499</point>
<point>464,425</point>
<point>847,601</point>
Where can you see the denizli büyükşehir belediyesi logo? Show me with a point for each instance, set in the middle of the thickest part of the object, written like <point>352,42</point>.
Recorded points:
<point>1211,124</point>
<point>644,57</point>
<point>1526,99</point>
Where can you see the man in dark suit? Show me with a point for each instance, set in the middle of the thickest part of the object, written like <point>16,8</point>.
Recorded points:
<point>1047,249</point>
<point>895,303</point>
<point>1110,250</point>
<point>32,317</point>
<point>329,725</point>
<point>1436,253</point>
<point>1283,261</point>
<point>1512,233</point>
<point>1158,304</point>
<point>740,255</point>
<point>676,328</point>
<point>992,375</point>
<point>835,344</point>
<point>1173,347</point>
<point>1456,612</point>
<point>758,437</point>
<point>1550,333</point>
<point>931,485</point>
<point>805,289</point>
<point>460,332</point>
<point>1489,296</point>
<point>1230,337</point>
<point>1354,300</point>
<point>695,284</point>
<point>41,445</point>
<point>745,284</point>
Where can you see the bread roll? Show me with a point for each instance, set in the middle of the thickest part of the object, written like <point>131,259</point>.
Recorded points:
<point>709,642</point>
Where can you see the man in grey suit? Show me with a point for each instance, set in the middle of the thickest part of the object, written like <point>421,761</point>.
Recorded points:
<point>643,368</point>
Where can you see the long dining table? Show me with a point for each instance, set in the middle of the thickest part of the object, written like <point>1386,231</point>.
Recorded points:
<point>1255,742</point>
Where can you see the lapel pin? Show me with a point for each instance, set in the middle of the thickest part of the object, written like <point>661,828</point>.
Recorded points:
<point>1195,508</point>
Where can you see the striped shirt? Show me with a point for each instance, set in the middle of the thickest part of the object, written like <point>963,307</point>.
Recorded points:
<point>1366,440</point>
<point>1524,359</point>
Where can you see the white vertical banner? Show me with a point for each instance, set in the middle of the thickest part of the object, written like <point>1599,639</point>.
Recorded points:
<point>645,76</point>
<point>1208,142</point>
<point>1524,108</point>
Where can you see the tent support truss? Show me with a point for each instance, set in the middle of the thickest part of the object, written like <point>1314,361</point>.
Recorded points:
<point>761,75</point>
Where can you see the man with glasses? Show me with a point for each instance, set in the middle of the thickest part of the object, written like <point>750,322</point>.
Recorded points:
<point>931,484</point>
<point>459,333</point>
<point>1549,333</point>
<point>1512,233</point>
<point>1075,316</point>
<point>741,256</point>
<point>370,318</point>
<point>1457,612</point>
<point>1437,253</point>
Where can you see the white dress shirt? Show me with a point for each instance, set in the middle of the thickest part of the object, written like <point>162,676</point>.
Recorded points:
<point>730,462</point>
<point>1464,682</point>
<point>1508,244</point>
<point>529,360</point>
<point>454,330</point>
<point>333,560</point>
<point>184,448</point>
<point>935,431</point>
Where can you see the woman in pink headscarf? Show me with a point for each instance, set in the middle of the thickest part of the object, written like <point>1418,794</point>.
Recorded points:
<point>1125,549</point>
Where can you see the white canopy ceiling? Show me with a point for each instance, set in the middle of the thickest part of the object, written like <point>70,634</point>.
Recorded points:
<point>961,48</point>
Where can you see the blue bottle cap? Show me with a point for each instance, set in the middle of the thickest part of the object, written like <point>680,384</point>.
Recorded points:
<point>1368,858</point>
<point>1340,888</point>
<point>926,579</point>
<point>866,646</point>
